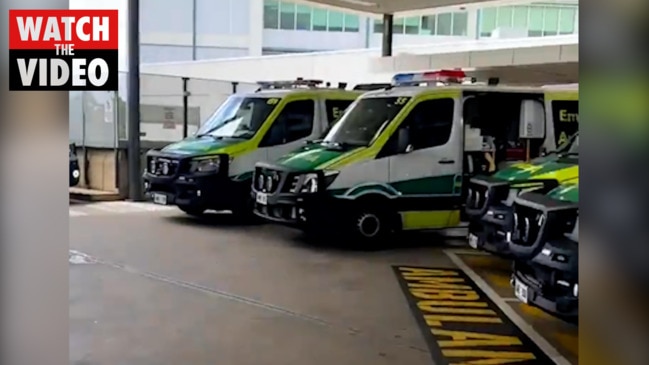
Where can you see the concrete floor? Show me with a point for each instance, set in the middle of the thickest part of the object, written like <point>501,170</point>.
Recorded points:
<point>171,290</point>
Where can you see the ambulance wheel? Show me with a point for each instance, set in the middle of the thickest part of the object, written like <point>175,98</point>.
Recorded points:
<point>369,228</point>
<point>193,210</point>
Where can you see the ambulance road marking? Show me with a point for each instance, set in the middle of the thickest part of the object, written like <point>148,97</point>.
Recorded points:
<point>460,323</point>
<point>527,329</point>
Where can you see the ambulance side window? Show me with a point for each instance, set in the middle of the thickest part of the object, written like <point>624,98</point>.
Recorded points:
<point>430,124</point>
<point>294,122</point>
<point>335,109</point>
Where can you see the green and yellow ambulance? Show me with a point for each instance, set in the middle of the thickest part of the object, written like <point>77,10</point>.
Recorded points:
<point>398,158</point>
<point>489,198</point>
<point>544,243</point>
<point>212,170</point>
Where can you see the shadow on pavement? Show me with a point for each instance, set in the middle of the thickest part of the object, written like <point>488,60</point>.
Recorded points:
<point>398,242</point>
<point>220,220</point>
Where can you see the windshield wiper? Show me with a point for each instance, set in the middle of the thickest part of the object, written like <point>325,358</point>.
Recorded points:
<point>211,130</point>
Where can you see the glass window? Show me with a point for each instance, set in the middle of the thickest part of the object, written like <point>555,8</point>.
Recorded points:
<point>520,17</point>
<point>505,16</point>
<point>335,109</point>
<point>444,24</point>
<point>488,21</point>
<point>352,22</point>
<point>535,27</point>
<point>294,122</point>
<point>428,24</point>
<point>303,17</point>
<point>238,117</point>
<point>319,19</point>
<point>271,14</point>
<point>567,18</point>
<point>378,25</point>
<point>430,123</point>
<point>287,16</point>
<point>460,23</point>
<point>336,20</point>
<point>551,21</point>
<point>365,120</point>
<point>397,26</point>
<point>412,25</point>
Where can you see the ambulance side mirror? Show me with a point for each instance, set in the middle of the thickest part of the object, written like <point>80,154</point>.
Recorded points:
<point>532,120</point>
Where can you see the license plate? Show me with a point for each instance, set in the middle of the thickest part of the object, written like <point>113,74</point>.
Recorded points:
<point>262,198</point>
<point>160,199</point>
<point>520,290</point>
<point>473,241</point>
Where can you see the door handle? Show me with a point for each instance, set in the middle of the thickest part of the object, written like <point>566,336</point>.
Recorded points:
<point>446,161</point>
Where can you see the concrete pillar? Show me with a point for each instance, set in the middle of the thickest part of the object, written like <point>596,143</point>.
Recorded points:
<point>386,48</point>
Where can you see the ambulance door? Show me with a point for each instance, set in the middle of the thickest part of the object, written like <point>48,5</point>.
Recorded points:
<point>427,174</point>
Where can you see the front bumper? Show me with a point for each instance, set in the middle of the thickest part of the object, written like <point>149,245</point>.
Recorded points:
<point>490,231</point>
<point>490,213</point>
<point>211,191</point>
<point>550,278</point>
<point>539,219</point>
<point>283,202</point>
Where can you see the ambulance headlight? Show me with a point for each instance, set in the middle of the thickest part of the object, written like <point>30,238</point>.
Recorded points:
<point>209,164</point>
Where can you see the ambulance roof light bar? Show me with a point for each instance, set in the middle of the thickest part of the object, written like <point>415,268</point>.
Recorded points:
<point>288,84</point>
<point>428,78</point>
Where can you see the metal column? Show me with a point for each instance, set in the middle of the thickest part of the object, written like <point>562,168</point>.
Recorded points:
<point>388,22</point>
<point>134,150</point>
<point>185,108</point>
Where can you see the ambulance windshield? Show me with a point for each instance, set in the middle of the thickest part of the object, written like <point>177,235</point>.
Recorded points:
<point>238,117</point>
<point>365,119</point>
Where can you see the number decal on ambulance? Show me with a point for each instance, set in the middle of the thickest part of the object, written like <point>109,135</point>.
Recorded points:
<point>401,101</point>
<point>272,101</point>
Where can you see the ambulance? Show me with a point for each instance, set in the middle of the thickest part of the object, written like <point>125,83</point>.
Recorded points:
<point>544,243</point>
<point>399,157</point>
<point>212,169</point>
<point>490,197</point>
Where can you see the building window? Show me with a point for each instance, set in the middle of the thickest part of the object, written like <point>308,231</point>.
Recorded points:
<point>336,21</point>
<point>398,25</point>
<point>352,23</point>
<point>428,24</point>
<point>460,23</point>
<point>505,14</point>
<point>535,27</point>
<point>271,14</point>
<point>567,20</point>
<point>378,25</point>
<point>412,25</point>
<point>551,21</point>
<point>319,19</point>
<point>303,17</point>
<point>488,19</point>
<point>519,18</point>
<point>445,24</point>
<point>286,16</point>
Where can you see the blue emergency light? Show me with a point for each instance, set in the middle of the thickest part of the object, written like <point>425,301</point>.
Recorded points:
<point>430,77</point>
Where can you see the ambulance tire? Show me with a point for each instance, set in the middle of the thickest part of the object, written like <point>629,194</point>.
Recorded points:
<point>369,228</point>
<point>193,210</point>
